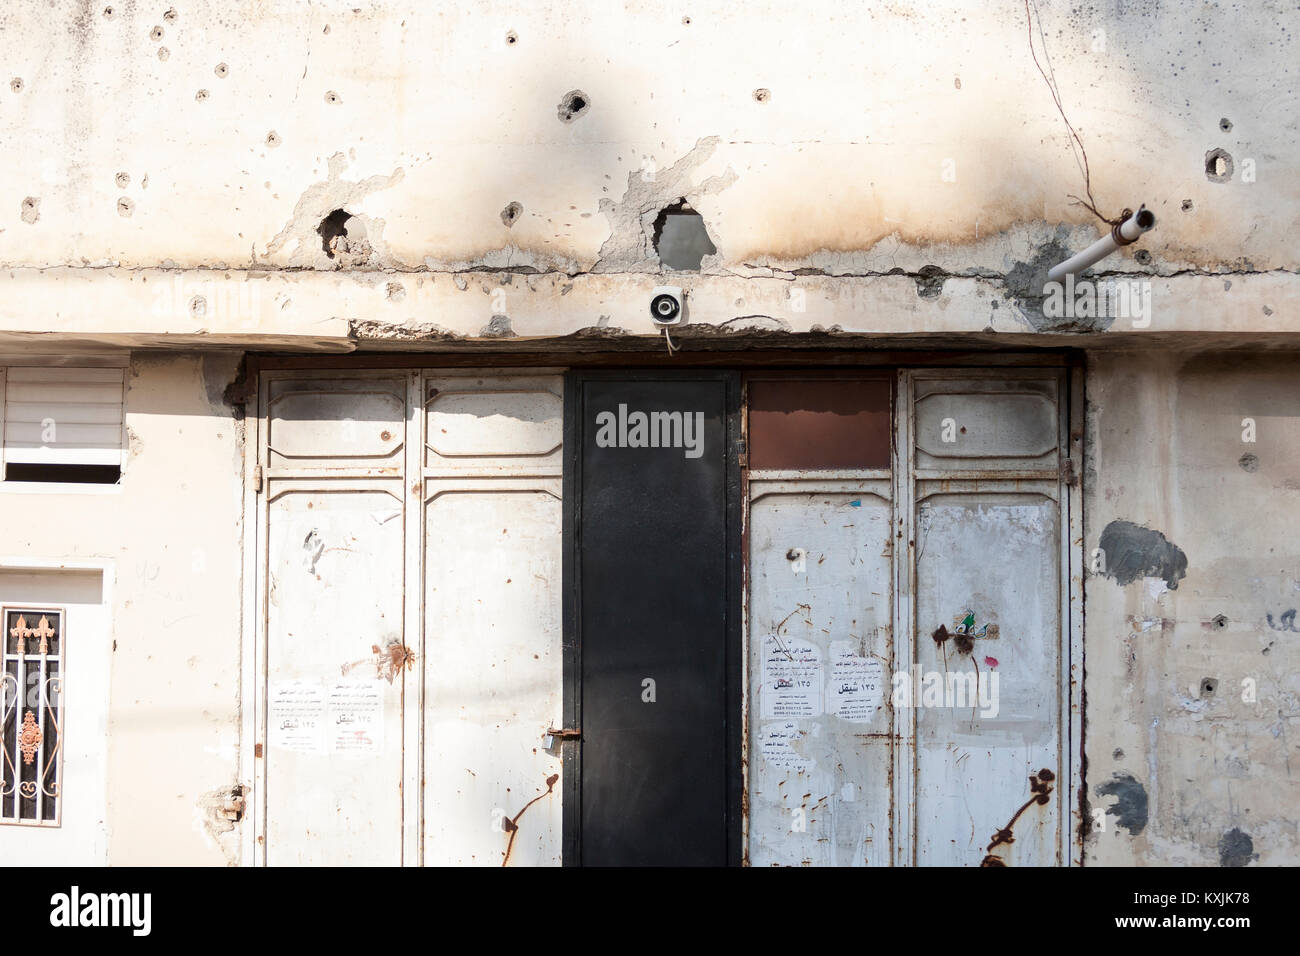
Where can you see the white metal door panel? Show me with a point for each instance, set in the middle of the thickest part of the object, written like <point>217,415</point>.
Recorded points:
<point>820,754</point>
<point>989,692</point>
<point>994,557</point>
<point>335,677</point>
<point>333,657</point>
<point>493,659</point>
<point>493,676</point>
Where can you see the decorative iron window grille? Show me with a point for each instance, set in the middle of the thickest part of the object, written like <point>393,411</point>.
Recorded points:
<point>31,717</point>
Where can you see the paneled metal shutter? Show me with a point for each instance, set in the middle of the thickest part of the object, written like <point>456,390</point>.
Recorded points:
<point>63,416</point>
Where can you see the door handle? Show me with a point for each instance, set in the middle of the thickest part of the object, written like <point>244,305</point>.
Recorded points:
<point>568,733</point>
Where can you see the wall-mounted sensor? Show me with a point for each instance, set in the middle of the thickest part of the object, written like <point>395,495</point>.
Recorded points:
<point>668,305</point>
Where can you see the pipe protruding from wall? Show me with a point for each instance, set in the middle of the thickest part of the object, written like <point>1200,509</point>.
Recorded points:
<point>1124,234</point>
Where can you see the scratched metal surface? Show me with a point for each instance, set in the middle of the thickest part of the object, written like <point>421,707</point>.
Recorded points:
<point>988,527</point>
<point>820,786</point>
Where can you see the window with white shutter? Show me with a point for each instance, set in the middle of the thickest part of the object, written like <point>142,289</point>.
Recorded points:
<point>62,424</point>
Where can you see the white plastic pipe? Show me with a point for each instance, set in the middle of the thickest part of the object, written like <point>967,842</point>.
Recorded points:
<point>1122,235</point>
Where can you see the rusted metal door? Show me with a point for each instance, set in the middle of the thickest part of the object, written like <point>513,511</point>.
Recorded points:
<point>653,630</point>
<point>990,581</point>
<point>820,594</point>
<point>910,637</point>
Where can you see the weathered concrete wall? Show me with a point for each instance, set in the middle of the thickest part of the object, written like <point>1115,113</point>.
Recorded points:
<point>880,171</point>
<point>1193,494</point>
<point>173,530</point>
<point>913,138</point>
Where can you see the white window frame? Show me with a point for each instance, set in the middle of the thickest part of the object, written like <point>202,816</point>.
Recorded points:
<point>99,361</point>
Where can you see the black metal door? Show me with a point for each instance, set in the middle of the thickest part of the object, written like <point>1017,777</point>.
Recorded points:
<point>652,624</point>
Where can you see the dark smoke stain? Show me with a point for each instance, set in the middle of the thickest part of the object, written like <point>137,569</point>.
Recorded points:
<point>1236,848</point>
<point>1132,551</point>
<point>1130,807</point>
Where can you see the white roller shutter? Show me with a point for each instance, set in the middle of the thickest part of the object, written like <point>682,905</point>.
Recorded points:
<point>63,416</point>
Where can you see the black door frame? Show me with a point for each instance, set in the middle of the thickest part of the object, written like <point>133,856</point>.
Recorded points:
<point>572,604</point>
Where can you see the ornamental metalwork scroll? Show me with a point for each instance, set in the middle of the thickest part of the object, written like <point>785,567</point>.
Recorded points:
<point>31,716</point>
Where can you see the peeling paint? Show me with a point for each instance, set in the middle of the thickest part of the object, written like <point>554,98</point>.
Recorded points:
<point>630,246</point>
<point>300,236</point>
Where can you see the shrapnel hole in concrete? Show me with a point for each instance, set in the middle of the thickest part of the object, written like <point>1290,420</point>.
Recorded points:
<point>1218,166</point>
<point>573,105</point>
<point>680,238</point>
<point>332,227</point>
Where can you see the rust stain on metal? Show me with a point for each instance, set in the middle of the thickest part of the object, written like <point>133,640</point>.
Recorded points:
<point>388,661</point>
<point>1040,786</point>
<point>511,824</point>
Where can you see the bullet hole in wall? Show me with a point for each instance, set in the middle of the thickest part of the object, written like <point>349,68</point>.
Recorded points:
<point>156,34</point>
<point>108,13</point>
<point>273,139</point>
<point>1248,462</point>
<point>1225,124</point>
<point>573,105</point>
<point>511,38</point>
<point>686,21</point>
<point>510,215</point>
<point>16,84</point>
<point>1218,166</point>
<point>122,179</point>
<point>170,15</point>
<point>1143,257</point>
<point>200,96</point>
<point>332,227</point>
<point>163,53</point>
<point>1187,205</point>
<point>1208,686</point>
<point>1220,621</point>
<point>332,98</point>
<point>125,207</point>
<point>221,70</point>
<point>762,95</point>
<point>31,209</point>
<point>680,238</point>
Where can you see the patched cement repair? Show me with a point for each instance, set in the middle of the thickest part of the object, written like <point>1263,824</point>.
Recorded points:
<point>1132,551</point>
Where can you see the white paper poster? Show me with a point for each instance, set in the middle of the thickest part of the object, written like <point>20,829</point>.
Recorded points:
<point>355,717</point>
<point>855,688</point>
<point>778,750</point>
<point>792,679</point>
<point>296,716</point>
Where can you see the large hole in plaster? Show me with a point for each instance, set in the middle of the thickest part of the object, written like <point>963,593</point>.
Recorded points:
<point>331,228</point>
<point>680,238</point>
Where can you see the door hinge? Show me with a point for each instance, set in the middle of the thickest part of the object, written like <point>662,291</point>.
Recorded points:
<point>1067,472</point>
<point>257,479</point>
